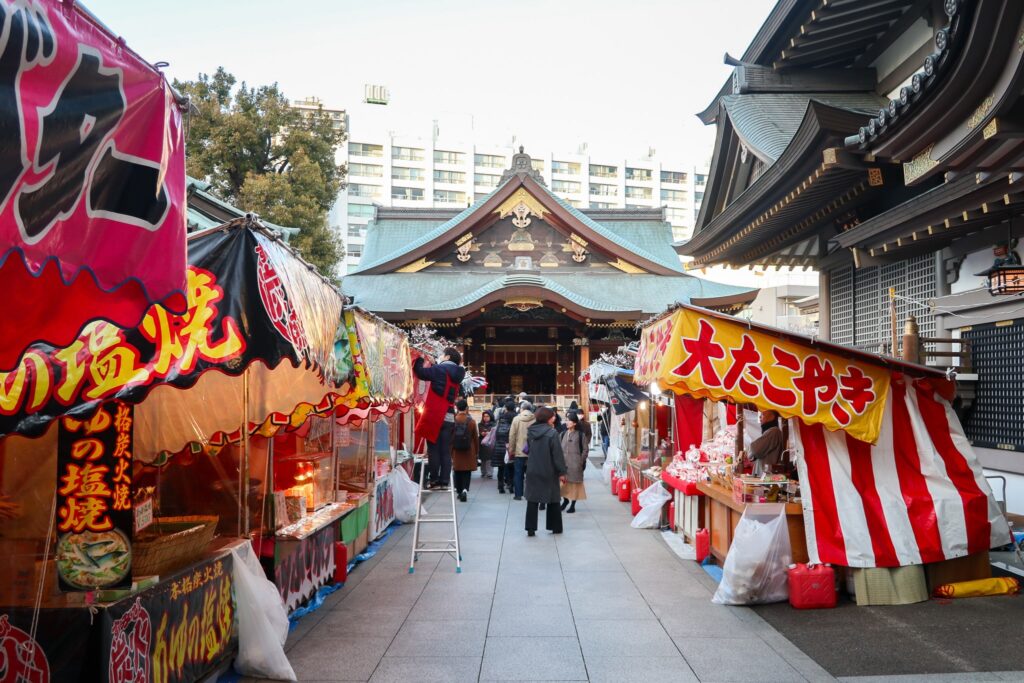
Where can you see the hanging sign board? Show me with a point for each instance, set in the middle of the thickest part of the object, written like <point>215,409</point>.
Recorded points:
<point>94,500</point>
<point>706,356</point>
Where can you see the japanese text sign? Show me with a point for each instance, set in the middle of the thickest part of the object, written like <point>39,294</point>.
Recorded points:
<point>180,630</point>
<point>703,355</point>
<point>94,499</point>
<point>92,169</point>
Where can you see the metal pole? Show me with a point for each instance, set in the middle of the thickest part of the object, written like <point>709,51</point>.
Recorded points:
<point>243,470</point>
<point>894,351</point>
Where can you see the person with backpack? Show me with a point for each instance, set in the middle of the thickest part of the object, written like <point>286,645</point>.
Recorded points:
<point>436,422</point>
<point>465,447</point>
<point>517,447</point>
<point>501,434</point>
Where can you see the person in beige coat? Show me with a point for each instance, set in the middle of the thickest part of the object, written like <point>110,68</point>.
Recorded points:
<point>516,442</point>
<point>575,446</point>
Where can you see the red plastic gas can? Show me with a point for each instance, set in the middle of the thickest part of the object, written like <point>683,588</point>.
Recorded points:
<point>615,483</point>
<point>672,515</point>
<point>702,542</point>
<point>812,586</point>
<point>340,562</point>
<point>635,500</point>
<point>624,489</point>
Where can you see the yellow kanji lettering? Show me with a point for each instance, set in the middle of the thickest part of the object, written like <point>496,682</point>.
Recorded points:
<point>122,497</point>
<point>97,423</point>
<point>79,514</point>
<point>122,447</point>
<point>27,384</point>
<point>114,364</point>
<point>87,480</point>
<point>87,449</point>
<point>122,472</point>
<point>182,340</point>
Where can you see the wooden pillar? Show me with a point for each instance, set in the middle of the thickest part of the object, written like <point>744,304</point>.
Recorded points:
<point>584,363</point>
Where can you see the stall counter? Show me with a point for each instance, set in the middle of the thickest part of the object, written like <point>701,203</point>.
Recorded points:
<point>723,513</point>
<point>689,506</point>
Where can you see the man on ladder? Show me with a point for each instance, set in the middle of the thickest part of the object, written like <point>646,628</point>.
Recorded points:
<point>436,425</point>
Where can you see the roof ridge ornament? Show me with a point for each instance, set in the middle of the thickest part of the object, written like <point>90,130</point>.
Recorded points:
<point>522,166</point>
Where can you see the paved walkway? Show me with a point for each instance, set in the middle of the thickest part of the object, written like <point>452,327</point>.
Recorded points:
<point>602,602</point>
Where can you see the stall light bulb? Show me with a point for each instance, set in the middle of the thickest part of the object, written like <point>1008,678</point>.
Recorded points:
<point>655,389</point>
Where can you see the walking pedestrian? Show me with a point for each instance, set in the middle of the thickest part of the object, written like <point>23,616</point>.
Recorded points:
<point>547,469</point>
<point>559,423</point>
<point>517,443</point>
<point>501,454</point>
<point>574,448</point>
<point>486,450</point>
<point>583,424</point>
<point>465,447</point>
<point>438,417</point>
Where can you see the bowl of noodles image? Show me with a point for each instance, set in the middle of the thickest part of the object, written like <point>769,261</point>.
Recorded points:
<point>94,559</point>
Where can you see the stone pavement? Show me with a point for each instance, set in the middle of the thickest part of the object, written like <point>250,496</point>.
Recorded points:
<point>602,602</point>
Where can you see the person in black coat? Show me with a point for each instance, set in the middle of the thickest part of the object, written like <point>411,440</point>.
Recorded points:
<point>446,381</point>
<point>545,474</point>
<point>504,425</point>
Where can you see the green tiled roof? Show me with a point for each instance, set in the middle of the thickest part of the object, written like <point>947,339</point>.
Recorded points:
<point>608,291</point>
<point>389,239</point>
<point>383,243</point>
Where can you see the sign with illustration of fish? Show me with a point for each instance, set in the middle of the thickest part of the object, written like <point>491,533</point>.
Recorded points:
<point>94,500</point>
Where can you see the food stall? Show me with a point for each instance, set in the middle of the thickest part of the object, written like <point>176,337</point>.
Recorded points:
<point>157,481</point>
<point>876,472</point>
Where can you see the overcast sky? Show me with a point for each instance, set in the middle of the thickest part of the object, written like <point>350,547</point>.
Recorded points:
<point>621,76</point>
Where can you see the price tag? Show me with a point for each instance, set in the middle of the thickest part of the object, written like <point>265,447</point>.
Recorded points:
<point>143,514</point>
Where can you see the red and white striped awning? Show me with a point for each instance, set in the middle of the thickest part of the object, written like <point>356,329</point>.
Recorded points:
<point>917,496</point>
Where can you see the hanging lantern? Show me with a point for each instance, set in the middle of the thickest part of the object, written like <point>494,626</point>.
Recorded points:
<point>1005,280</point>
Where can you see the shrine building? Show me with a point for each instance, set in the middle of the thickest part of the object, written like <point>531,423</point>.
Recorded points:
<point>529,286</point>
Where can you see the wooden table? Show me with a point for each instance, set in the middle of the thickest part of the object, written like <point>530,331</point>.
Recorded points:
<point>722,514</point>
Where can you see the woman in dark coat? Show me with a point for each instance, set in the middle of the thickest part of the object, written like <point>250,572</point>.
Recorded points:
<point>485,426</point>
<point>503,425</point>
<point>545,473</point>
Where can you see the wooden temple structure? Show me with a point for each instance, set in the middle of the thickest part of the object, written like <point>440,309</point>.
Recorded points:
<point>882,143</point>
<point>528,285</point>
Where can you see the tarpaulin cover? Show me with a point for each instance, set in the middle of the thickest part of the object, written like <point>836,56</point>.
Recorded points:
<point>92,180</point>
<point>705,354</point>
<point>249,299</point>
<point>916,496</point>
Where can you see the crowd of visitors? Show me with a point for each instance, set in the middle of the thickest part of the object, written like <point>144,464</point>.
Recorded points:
<point>531,450</point>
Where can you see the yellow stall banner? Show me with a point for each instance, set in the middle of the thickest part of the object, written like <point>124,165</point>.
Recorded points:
<point>690,352</point>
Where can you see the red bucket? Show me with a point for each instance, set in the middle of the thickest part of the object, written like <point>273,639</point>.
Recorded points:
<point>340,562</point>
<point>812,586</point>
<point>702,542</point>
<point>624,489</point>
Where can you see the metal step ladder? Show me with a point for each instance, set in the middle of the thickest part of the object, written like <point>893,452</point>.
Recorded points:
<point>449,546</point>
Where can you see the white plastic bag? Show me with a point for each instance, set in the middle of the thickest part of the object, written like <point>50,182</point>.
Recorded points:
<point>651,500</point>
<point>755,568</point>
<point>262,621</point>
<point>405,491</point>
<point>606,471</point>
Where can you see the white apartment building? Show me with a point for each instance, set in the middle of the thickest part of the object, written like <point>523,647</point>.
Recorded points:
<point>395,171</point>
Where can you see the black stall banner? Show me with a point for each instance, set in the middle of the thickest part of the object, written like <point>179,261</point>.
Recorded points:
<point>177,632</point>
<point>62,651</point>
<point>303,567</point>
<point>94,500</point>
<point>249,298</point>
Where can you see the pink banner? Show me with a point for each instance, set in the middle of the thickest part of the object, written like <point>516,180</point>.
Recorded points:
<point>92,178</point>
